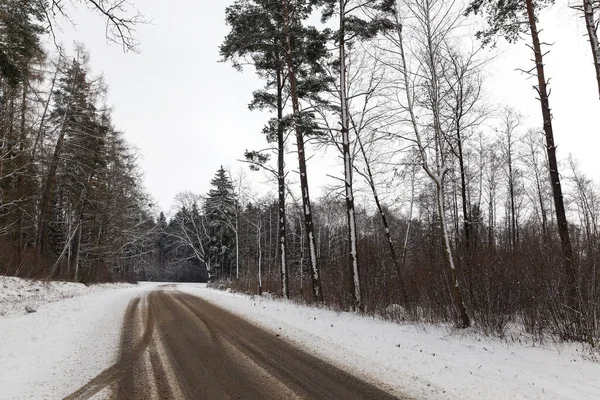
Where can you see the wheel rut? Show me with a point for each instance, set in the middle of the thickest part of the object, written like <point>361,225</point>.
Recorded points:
<point>178,346</point>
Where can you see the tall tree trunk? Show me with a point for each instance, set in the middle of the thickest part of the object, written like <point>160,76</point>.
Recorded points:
<point>285,291</point>
<point>38,137</point>
<point>259,256</point>
<point>22,158</point>
<point>47,192</point>
<point>511,193</point>
<point>590,24</point>
<point>409,222</point>
<point>465,211</point>
<point>561,218</point>
<point>349,194</point>
<point>77,249</point>
<point>77,252</point>
<point>384,221</point>
<point>301,258</point>
<point>438,175</point>
<point>457,294</point>
<point>308,222</point>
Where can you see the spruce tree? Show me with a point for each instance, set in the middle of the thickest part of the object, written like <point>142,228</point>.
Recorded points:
<point>71,111</point>
<point>161,243</point>
<point>219,209</point>
<point>20,29</point>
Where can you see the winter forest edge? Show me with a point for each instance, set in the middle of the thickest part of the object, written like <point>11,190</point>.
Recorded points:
<point>447,209</point>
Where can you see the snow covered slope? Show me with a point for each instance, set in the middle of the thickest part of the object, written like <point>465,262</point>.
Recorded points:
<point>431,362</point>
<point>17,294</point>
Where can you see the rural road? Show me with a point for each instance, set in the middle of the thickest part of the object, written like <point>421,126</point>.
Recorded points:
<point>178,346</point>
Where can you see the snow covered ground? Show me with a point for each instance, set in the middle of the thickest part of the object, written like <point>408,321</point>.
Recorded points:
<point>52,352</point>
<point>17,294</point>
<point>431,362</point>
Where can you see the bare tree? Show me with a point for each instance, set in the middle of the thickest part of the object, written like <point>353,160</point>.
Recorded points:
<point>510,19</point>
<point>435,22</point>
<point>465,111</point>
<point>509,139</point>
<point>538,166</point>
<point>120,19</point>
<point>191,232</point>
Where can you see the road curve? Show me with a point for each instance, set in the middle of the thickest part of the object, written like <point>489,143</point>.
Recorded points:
<point>178,346</point>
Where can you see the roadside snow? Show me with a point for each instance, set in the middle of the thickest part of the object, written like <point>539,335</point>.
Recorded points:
<point>434,363</point>
<point>54,351</point>
<point>51,353</point>
<point>17,294</point>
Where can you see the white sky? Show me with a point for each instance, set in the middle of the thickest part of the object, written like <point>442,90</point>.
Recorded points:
<point>187,114</point>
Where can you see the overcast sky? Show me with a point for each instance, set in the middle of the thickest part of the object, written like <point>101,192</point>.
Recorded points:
<point>187,113</point>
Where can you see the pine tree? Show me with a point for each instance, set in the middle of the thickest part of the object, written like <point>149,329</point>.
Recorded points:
<point>293,14</point>
<point>266,49</point>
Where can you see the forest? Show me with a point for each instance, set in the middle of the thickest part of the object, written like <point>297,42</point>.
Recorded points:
<point>446,209</point>
<point>71,202</point>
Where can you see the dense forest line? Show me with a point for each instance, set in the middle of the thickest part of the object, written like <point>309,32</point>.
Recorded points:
<point>71,202</point>
<point>471,217</point>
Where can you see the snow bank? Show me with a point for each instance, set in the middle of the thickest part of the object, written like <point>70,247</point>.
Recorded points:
<point>51,353</point>
<point>17,295</point>
<point>432,362</point>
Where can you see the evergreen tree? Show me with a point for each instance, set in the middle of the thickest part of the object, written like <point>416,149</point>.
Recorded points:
<point>71,112</point>
<point>69,183</point>
<point>161,243</point>
<point>20,30</point>
<point>219,209</point>
<point>20,49</point>
<point>266,50</point>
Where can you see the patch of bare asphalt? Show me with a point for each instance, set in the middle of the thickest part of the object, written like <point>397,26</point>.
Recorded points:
<point>178,346</point>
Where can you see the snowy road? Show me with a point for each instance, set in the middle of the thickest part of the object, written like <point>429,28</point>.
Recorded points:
<point>178,346</point>
<point>103,334</point>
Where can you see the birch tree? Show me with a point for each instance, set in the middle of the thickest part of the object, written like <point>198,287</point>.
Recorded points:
<point>509,139</point>
<point>351,28</point>
<point>423,102</point>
